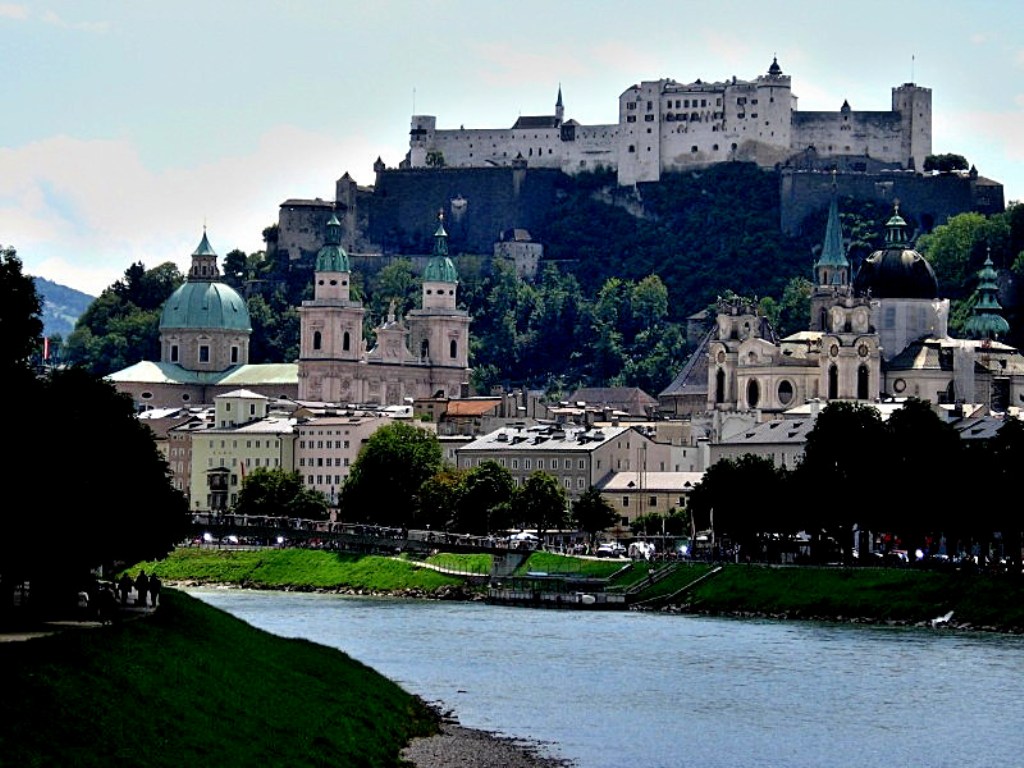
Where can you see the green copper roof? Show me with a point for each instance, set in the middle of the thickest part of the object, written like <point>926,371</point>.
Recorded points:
<point>832,254</point>
<point>440,268</point>
<point>205,304</point>
<point>332,257</point>
<point>985,321</point>
<point>896,228</point>
<point>204,248</point>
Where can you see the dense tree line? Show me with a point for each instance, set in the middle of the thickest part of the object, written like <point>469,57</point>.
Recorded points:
<point>96,491</point>
<point>911,477</point>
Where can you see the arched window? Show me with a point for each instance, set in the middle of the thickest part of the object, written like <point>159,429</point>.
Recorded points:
<point>453,349</point>
<point>317,340</point>
<point>833,382</point>
<point>862,383</point>
<point>346,341</point>
<point>753,393</point>
<point>424,349</point>
<point>720,386</point>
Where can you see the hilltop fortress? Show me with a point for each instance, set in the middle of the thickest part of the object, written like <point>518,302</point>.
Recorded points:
<point>499,185</point>
<point>668,126</point>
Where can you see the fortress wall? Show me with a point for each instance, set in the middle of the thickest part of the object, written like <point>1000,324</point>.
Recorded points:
<point>926,201</point>
<point>878,135</point>
<point>403,211</point>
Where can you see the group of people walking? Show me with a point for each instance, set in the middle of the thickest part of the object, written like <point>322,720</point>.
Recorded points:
<point>147,589</point>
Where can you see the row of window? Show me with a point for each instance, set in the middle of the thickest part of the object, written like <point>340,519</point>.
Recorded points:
<point>249,462</point>
<point>652,501</point>
<point>325,480</point>
<point>320,461</point>
<point>529,463</point>
<point>203,354</point>
<point>321,444</point>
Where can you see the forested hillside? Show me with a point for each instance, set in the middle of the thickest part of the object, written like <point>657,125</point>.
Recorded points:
<point>622,271</point>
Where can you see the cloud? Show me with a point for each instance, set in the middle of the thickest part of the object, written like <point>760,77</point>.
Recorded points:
<point>49,17</point>
<point>81,212</point>
<point>12,11</point>
<point>978,38</point>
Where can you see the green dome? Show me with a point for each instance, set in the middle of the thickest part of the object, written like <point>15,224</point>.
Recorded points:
<point>205,304</point>
<point>440,268</point>
<point>332,257</point>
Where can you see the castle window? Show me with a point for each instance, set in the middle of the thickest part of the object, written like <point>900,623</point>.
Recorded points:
<point>649,118</point>
<point>720,386</point>
<point>346,341</point>
<point>234,355</point>
<point>715,147</point>
<point>453,349</point>
<point>833,382</point>
<point>650,105</point>
<point>174,353</point>
<point>317,340</point>
<point>204,353</point>
<point>632,148</point>
<point>424,349</point>
<point>630,105</point>
<point>693,148</point>
<point>630,118</point>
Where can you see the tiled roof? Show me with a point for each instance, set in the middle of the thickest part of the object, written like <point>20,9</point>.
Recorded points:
<point>651,481</point>
<point>471,407</point>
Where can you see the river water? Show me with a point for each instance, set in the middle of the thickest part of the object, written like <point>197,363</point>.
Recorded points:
<point>648,690</point>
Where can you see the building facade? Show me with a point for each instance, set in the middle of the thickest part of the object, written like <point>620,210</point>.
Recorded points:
<point>665,126</point>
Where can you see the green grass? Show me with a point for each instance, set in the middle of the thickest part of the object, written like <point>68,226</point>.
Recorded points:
<point>553,563</point>
<point>191,685</point>
<point>295,569</point>
<point>475,563</point>
<point>879,594</point>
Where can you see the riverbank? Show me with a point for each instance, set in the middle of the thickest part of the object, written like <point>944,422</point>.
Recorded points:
<point>951,599</point>
<point>189,684</point>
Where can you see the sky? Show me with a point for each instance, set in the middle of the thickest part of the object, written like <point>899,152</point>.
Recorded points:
<point>129,126</point>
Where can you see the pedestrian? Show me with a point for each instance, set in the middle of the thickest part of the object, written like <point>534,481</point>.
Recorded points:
<point>154,589</point>
<point>106,608</point>
<point>141,589</point>
<point>124,586</point>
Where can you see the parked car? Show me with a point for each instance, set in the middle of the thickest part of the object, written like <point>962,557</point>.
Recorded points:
<point>611,549</point>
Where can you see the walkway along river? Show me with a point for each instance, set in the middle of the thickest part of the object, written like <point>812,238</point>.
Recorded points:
<point>646,690</point>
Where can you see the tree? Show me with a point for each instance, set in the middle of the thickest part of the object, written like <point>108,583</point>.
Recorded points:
<point>921,445</point>
<point>592,513</point>
<point>483,506</point>
<point>737,499</point>
<point>540,503</point>
<point>439,499</point>
<point>383,485</point>
<point>115,504</point>
<point>21,329</point>
<point>275,492</point>
<point>843,451</point>
<point>945,163</point>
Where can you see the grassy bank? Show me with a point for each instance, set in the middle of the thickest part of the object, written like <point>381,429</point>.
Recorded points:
<point>191,685</point>
<point>898,595</point>
<point>309,569</point>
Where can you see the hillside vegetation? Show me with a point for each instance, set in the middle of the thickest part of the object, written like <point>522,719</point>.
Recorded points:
<point>191,685</point>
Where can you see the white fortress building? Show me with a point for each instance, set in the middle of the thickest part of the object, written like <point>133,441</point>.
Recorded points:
<point>668,126</point>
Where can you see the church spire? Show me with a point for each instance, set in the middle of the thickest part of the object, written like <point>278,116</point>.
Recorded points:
<point>832,267</point>
<point>985,321</point>
<point>559,107</point>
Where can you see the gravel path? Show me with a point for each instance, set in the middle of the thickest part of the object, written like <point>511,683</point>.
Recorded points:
<point>458,747</point>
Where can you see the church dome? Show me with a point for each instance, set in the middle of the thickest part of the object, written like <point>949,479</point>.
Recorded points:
<point>202,301</point>
<point>897,271</point>
<point>204,304</point>
<point>440,268</point>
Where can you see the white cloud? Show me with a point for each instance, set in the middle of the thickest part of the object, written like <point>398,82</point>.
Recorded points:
<point>12,11</point>
<point>49,17</point>
<point>81,212</point>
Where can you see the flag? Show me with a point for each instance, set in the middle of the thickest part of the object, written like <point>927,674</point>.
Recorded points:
<point>46,348</point>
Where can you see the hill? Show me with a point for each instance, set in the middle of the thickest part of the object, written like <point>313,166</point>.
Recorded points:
<point>62,306</point>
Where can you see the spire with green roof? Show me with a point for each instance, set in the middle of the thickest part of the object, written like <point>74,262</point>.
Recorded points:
<point>832,267</point>
<point>440,268</point>
<point>332,257</point>
<point>985,321</point>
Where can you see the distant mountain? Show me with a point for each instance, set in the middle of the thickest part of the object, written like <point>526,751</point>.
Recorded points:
<point>62,306</point>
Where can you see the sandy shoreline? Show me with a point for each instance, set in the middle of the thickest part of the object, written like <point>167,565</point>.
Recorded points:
<point>459,747</point>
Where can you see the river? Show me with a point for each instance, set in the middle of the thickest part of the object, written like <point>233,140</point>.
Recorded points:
<point>649,690</point>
